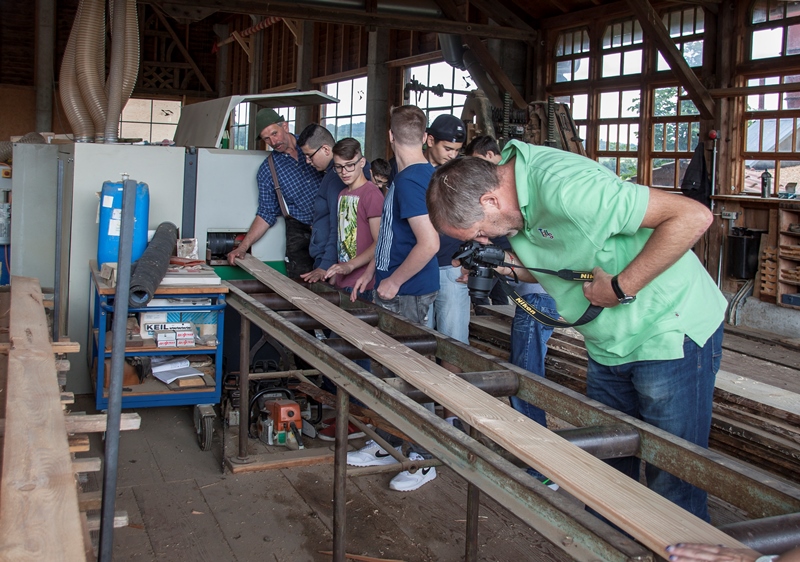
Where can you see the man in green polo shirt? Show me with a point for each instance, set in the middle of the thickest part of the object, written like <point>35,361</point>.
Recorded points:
<point>655,349</point>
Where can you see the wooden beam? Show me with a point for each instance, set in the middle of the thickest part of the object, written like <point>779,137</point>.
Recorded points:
<point>754,90</point>
<point>39,509</point>
<point>648,517</point>
<point>355,17</point>
<point>182,49</point>
<point>97,423</point>
<point>244,43</point>
<point>56,347</point>
<point>484,57</point>
<point>502,15</point>
<point>86,464</point>
<point>654,28</point>
<point>120,520</point>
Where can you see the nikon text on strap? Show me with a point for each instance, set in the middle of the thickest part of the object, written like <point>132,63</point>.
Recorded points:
<point>591,312</point>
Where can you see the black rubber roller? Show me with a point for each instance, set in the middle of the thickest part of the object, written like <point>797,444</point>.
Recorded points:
<point>152,266</point>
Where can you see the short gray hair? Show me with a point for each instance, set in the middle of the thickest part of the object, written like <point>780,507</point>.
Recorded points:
<point>455,190</point>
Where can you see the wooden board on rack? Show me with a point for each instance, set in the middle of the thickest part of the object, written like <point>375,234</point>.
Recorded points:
<point>648,517</point>
<point>39,502</point>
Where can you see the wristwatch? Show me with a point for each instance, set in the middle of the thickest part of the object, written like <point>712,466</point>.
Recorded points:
<point>621,296</point>
<point>771,558</point>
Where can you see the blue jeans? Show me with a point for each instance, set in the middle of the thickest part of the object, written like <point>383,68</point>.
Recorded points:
<point>675,396</point>
<point>528,349</point>
<point>451,308</point>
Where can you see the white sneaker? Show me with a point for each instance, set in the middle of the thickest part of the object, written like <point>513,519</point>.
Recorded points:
<point>371,454</point>
<point>406,481</point>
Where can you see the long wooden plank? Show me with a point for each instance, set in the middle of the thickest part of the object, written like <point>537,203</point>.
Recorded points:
<point>57,347</point>
<point>39,503</point>
<point>762,393</point>
<point>648,517</point>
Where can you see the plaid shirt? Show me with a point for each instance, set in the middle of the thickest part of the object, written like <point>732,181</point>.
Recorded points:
<point>299,183</point>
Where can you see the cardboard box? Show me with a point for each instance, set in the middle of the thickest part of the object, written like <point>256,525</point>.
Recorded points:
<point>165,338</point>
<point>205,322</point>
<point>185,342</point>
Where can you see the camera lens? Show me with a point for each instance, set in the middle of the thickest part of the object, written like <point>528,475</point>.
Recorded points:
<point>480,282</point>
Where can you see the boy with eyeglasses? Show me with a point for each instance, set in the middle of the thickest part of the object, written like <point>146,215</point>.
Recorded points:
<point>358,220</point>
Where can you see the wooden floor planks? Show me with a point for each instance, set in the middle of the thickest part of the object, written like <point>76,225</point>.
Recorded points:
<point>647,516</point>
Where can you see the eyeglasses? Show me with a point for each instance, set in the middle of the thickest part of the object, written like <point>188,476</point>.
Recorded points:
<point>346,167</point>
<point>309,158</point>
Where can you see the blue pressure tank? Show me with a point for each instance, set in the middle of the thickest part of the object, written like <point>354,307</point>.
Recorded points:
<point>111,219</point>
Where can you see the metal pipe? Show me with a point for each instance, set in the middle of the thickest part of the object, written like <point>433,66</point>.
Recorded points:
<point>57,278</point>
<point>244,386</point>
<point>775,535</point>
<point>496,383</point>
<point>420,344</point>
<point>119,328</point>
<point>306,322</point>
<point>340,476</point>
<point>604,441</point>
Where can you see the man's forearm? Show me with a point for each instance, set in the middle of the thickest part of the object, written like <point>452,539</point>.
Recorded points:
<point>257,229</point>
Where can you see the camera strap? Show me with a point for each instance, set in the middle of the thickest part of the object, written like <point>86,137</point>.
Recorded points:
<point>591,312</point>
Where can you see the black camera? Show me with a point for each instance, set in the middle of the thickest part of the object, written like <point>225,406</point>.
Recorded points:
<point>480,260</point>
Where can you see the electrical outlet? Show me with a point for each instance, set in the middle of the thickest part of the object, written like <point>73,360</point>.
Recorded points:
<point>730,215</point>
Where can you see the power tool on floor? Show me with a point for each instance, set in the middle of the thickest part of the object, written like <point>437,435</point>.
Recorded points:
<point>279,423</point>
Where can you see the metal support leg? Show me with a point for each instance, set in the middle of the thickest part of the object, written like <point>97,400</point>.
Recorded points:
<point>244,387</point>
<point>340,477</point>
<point>473,508</point>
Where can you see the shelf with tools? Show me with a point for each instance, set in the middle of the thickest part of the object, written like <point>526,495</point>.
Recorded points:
<point>789,255</point>
<point>205,388</point>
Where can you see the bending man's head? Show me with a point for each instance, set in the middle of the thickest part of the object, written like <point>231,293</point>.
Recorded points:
<point>471,198</point>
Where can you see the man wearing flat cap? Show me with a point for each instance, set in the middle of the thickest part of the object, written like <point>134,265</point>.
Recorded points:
<point>287,185</point>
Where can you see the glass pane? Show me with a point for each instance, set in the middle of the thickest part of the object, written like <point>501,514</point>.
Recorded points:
<point>568,43</point>
<point>584,41</point>
<point>683,163</point>
<point>666,102</point>
<point>630,103</point>
<point>330,124</point>
<point>359,130</point>
<point>752,174</point>
<point>688,21</point>
<point>683,137</point>
<point>462,80</point>
<point>580,106</point>
<point>637,32</point>
<point>662,63</point>
<point>627,33</point>
<point>628,168</point>
<point>608,162</point>
<point>775,11</point>
<point>792,9</point>
<point>793,43</point>
<point>658,137</point>
<point>166,111</point>
<point>759,11</point>
<point>560,45</point>
<point>564,71</point>
<point>675,24</point>
<point>611,64</point>
<point>753,135</point>
<point>688,108</point>
<point>602,137</point>
<point>663,172</point>
<point>136,131</point>
<point>329,109</point>
<point>163,132</point>
<point>700,23</point>
<point>609,105</point>
<point>786,135</point>
<point>343,128</point>
<point>137,110</point>
<point>241,114</point>
<point>693,53</point>
<point>791,100</point>
<point>789,172</point>
<point>458,101</point>
<point>623,137</point>
<point>582,133</point>
<point>670,134</point>
<point>582,69</point>
<point>345,98</point>
<point>768,134</point>
<point>613,137</point>
<point>441,73</point>
<point>767,43</point>
<point>607,38</point>
<point>360,96</point>
<point>695,135</point>
<point>616,39</point>
<point>634,138</point>
<point>633,62</point>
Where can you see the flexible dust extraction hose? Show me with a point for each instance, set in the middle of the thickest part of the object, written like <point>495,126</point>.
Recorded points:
<point>78,115</point>
<point>152,266</point>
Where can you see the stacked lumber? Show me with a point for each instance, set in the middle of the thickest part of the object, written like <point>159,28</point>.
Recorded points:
<point>42,514</point>
<point>753,422</point>
<point>769,271</point>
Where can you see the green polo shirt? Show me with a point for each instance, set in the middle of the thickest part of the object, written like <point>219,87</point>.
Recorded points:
<point>579,215</point>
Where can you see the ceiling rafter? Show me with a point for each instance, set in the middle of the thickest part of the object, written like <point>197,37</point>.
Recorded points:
<point>349,17</point>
